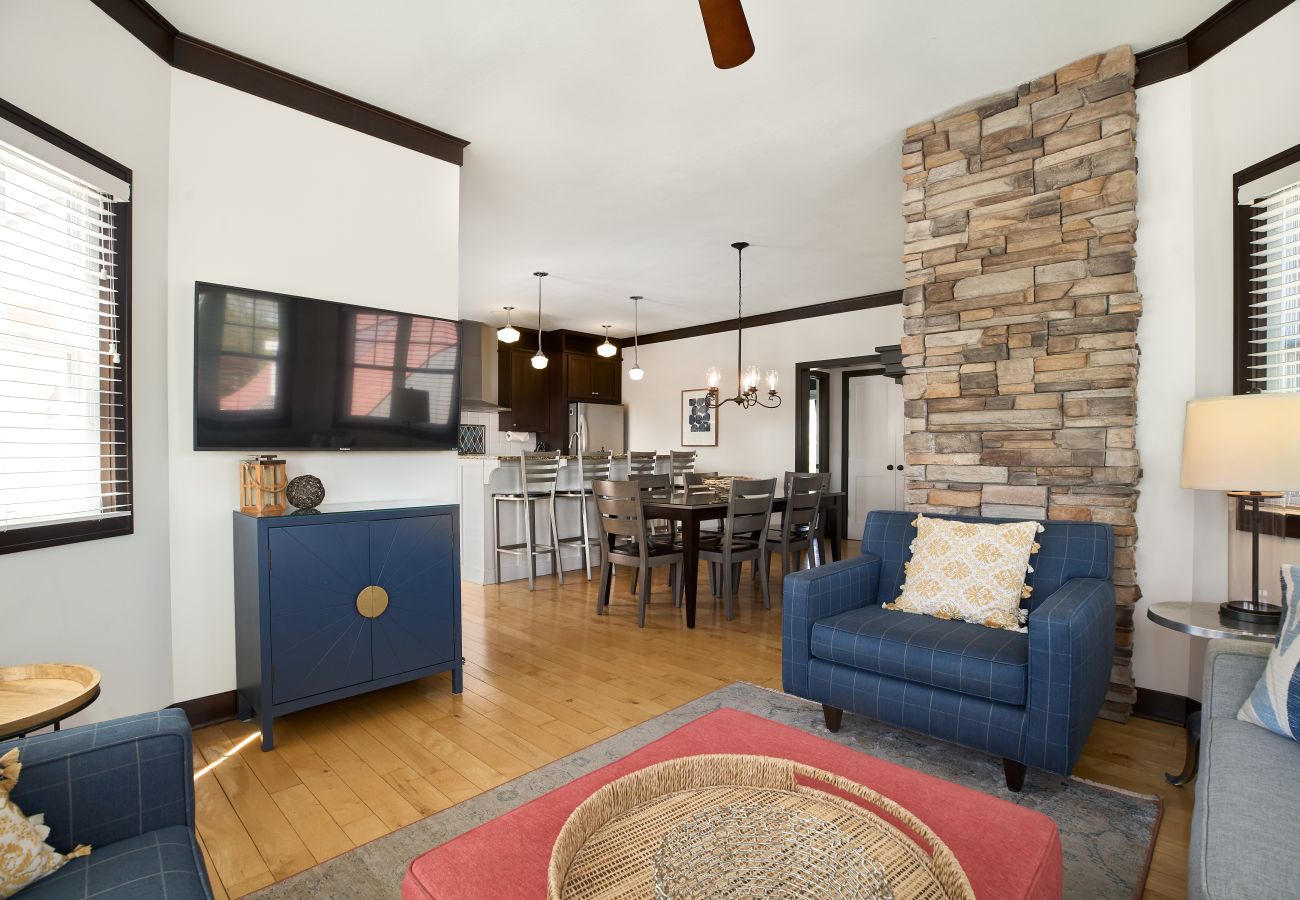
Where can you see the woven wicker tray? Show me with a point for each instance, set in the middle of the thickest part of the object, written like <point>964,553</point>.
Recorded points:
<point>607,847</point>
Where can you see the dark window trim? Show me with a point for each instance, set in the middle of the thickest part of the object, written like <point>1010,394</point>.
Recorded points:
<point>56,534</point>
<point>1241,262</point>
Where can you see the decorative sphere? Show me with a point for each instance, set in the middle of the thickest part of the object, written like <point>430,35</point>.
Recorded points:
<point>305,492</point>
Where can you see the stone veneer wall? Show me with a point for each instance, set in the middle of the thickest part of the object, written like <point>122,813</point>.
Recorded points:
<point>1021,309</point>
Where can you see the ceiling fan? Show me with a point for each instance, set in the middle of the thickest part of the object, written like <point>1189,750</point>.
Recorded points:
<point>728,32</point>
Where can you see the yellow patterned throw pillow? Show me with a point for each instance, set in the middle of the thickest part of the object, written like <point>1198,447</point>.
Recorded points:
<point>24,855</point>
<point>972,571</point>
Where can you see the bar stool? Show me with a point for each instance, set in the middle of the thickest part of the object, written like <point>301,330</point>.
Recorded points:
<point>641,462</point>
<point>537,474</point>
<point>591,467</point>
<point>683,462</point>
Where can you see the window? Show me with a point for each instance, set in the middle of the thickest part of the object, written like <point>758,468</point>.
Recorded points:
<point>65,461</point>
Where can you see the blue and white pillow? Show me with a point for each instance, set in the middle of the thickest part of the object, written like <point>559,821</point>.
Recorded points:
<point>1275,702</point>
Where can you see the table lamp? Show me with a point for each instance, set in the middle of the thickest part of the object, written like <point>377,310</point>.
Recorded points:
<point>1248,446</point>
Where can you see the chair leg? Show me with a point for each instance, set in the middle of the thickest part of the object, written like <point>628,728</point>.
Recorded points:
<point>767,588</point>
<point>713,579</point>
<point>602,596</point>
<point>735,576</point>
<point>496,541</point>
<point>557,565</point>
<point>834,717</point>
<point>785,564</point>
<point>586,535</point>
<point>728,586</point>
<point>645,599</point>
<point>677,574</point>
<point>1015,773</point>
<point>529,509</point>
<point>632,581</point>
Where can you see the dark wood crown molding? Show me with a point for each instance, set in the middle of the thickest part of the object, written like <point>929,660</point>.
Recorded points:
<point>198,57</point>
<point>811,311</point>
<point>1229,24</point>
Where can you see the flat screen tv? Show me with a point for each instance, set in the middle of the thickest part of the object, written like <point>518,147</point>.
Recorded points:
<point>275,372</point>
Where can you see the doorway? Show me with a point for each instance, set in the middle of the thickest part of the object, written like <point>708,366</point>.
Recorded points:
<point>871,462</point>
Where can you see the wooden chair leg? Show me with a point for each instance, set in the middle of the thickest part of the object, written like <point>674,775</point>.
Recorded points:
<point>602,596</point>
<point>632,581</point>
<point>767,588</point>
<point>834,717</point>
<point>676,573</point>
<point>645,599</point>
<point>713,579</point>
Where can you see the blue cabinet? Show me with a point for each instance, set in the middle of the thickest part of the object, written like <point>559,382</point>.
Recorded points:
<point>343,601</point>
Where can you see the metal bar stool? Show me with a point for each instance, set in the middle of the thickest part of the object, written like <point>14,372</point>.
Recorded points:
<point>537,474</point>
<point>641,462</point>
<point>591,467</point>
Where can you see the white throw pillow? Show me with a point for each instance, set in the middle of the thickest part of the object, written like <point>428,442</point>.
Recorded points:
<point>1275,702</point>
<point>972,571</point>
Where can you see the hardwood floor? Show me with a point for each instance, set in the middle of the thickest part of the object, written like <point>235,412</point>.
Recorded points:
<point>544,677</point>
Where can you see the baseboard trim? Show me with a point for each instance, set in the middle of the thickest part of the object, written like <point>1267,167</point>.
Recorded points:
<point>1160,706</point>
<point>210,710</point>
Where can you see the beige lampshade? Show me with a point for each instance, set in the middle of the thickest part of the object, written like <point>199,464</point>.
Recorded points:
<point>1249,442</point>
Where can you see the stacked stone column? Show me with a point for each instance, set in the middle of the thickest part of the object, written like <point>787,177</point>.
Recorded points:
<point>1021,309</point>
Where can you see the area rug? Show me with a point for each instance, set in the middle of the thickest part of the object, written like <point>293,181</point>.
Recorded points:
<point>1106,834</point>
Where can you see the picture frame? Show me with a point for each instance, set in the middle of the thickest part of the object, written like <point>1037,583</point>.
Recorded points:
<point>699,422</point>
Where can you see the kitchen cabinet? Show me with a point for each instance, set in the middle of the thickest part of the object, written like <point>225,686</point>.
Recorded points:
<point>527,391</point>
<point>341,602</point>
<point>592,379</point>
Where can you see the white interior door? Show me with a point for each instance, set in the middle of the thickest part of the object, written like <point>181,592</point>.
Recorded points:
<point>875,436</point>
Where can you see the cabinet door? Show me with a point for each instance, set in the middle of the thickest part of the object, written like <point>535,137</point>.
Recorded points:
<point>577,377</point>
<point>414,561</point>
<point>529,395</point>
<point>606,379</point>
<point>319,642</point>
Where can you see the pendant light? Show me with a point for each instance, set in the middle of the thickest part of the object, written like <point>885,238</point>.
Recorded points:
<point>747,377</point>
<point>636,373</point>
<point>508,334</point>
<point>539,359</point>
<point>606,349</point>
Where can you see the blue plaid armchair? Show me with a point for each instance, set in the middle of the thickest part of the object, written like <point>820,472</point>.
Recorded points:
<point>125,787</point>
<point>1028,698</point>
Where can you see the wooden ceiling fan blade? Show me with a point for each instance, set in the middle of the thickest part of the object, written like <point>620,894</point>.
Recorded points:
<point>729,39</point>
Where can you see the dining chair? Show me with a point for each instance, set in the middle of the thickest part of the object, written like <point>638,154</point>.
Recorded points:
<point>641,462</point>
<point>591,467</point>
<point>819,525</point>
<point>657,487</point>
<point>742,538</point>
<point>797,529</point>
<point>537,475</point>
<point>682,462</point>
<point>627,543</point>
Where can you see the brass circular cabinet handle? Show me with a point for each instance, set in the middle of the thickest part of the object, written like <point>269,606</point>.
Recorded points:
<point>372,601</point>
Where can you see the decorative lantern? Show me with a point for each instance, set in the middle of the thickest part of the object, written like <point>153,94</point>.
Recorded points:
<point>261,485</point>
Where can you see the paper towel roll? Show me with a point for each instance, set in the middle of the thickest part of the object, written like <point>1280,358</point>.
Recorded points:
<point>521,437</point>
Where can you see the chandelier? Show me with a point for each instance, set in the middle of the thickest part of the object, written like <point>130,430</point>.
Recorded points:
<point>747,377</point>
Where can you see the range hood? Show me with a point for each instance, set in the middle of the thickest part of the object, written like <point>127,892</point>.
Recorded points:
<point>478,367</point>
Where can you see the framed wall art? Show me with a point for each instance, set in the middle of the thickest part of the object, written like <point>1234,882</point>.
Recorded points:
<point>699,422</point>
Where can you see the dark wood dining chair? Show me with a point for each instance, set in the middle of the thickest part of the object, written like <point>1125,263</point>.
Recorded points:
<point>797,530</point>
<point>627,543</point>
<point>682,462</point>
<point>742,538</point>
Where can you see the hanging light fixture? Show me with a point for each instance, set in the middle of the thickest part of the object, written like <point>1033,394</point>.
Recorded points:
<point>747,377</point>
<point>508,334</point>
<point>539,358</point>
<point>607,348</point>
<point>636,373</point>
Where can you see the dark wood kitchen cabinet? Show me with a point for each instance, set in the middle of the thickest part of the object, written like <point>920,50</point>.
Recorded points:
<point>592,379</point>
<point>527,391</point>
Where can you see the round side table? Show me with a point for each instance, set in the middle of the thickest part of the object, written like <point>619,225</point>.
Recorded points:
<point>35,696</point>
<point>1202,620</point>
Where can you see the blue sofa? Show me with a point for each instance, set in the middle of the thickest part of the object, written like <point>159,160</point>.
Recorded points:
<point>1028,698</point>
<point>125,787</point>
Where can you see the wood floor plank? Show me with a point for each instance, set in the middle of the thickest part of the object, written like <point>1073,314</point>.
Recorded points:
<point>317,829</point>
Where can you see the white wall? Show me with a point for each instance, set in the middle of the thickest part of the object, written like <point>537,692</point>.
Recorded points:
<point>266,197</point>
<point>755,441</point>
<point>1195,132</point>
<point>105,602</point>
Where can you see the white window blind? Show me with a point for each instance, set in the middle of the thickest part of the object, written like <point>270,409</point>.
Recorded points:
<point>63,453</point>
<point>1273,359</point>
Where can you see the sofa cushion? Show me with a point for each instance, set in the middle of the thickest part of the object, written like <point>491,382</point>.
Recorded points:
<point>1275,702</point>
<point>955,656</point>
<point>163,863</point>
<point>1247,789</point>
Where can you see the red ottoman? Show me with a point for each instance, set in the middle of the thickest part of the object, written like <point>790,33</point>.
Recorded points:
<point>1008,852</point>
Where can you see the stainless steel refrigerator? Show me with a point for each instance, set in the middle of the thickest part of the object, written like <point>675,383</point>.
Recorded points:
<point>597,426</point>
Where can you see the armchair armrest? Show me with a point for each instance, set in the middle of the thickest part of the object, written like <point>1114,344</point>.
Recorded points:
<point>1232,668</point>
<point>102,783</point>
<point>1071,649</point>
<point>814,594</point>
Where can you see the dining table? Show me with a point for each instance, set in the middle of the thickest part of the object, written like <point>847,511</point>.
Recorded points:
<point>692,508</point>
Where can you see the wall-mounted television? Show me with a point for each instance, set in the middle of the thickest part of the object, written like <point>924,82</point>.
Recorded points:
<point>277,372</point>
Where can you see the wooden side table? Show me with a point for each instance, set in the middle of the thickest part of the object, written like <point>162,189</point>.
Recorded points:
<point>1202,620</point>
<point>42,694</point>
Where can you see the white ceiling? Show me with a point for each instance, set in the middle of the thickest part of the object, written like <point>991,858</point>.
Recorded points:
<point>607,149</point>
